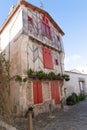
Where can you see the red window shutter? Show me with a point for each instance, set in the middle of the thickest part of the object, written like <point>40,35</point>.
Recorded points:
<point>45,20</point>
<point>52,91</point>
<point>58,39</point>
<point>56,61</point>
<point>37,92</point>
<point>57,97</point>
<point>47,58</point>
<point>43,29</point>
<point>30,21</point>
<point>55,93</point>
<point>46,31</point>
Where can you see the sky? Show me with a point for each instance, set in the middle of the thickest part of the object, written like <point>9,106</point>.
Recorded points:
<point>71,16</point>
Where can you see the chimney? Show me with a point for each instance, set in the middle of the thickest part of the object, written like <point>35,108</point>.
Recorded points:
<point>21,1</point>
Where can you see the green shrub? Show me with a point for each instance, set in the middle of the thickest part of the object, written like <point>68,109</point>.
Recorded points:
<point>51,75</point>
<point>81,97</point>
<point>72,99</point>
<point>41,74</point>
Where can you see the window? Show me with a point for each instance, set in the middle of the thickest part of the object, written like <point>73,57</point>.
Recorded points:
<point>47,58</point>
<point>30,21</point>
<point>55,92</point>
<point>56,61</point>
<point>81,85</point>
<point>37,92</point>
<point>58,40</point>
<point>45,27</point>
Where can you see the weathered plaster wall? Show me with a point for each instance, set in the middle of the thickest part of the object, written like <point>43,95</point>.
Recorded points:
<point>73,84</point>
<point>11,30</point>
<point>35,29</point>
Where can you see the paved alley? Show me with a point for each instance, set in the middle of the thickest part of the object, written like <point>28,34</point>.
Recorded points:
<point>74,118</point>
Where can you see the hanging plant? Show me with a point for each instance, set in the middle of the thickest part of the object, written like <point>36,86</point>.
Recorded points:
<point>30,73</point>
<point>25,79</point>
<point>59,76</point>
<point>51,75</point>
<point>18,78</point>
<point>41,75</point>
<point>66,77</point>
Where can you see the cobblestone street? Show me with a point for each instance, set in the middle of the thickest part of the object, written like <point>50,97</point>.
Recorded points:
<point>74,118</point>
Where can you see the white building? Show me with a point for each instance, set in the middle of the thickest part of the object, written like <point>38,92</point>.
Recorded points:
<point>77,83</point>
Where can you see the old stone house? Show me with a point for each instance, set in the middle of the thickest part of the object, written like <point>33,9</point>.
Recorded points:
<point>77,83</point>
<point>31,39</point>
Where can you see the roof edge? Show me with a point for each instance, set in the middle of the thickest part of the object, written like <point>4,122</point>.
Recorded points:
<point>9,17</point>
<point>68,71</point>
<point>28,5</point>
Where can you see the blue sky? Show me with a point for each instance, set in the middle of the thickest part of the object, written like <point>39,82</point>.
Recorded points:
<point>71,16</point>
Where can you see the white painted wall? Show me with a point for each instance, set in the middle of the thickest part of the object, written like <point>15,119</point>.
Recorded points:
<point>73,84</point>
<point>11,30</point>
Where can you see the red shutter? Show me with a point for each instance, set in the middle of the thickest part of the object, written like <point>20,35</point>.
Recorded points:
<point>55,92</point>
<point>45,20</point>
<point>56,61</point>
<point>37,92</point>
<point>52,91</point>
<point>46,31</point>
<point>30,21</point>
<point>47,58</point>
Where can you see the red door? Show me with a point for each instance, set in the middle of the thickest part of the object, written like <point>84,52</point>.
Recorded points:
<point>55,93</point>
<point>37,92</point>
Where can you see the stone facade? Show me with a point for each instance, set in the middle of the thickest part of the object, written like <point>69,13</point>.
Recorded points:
<point>23,46</point>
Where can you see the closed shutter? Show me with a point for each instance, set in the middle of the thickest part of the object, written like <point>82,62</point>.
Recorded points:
<point>30,21</point>
<point>35,87</point>
<point>37,92</point>
<point>55,93</point>
<point>47,58</point>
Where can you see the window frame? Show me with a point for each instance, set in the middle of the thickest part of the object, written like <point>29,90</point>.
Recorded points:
<point>30,20</point>
<point>47,58</point>
<point>56,62</point>
<point>37,92</point>
<point>46,29</point>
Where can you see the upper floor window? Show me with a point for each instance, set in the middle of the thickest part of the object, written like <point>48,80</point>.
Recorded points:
<point>45,27</point>
<point>58,40</point>
<point>56,61</point>
<point>47,58</point>
<point>30,21</point>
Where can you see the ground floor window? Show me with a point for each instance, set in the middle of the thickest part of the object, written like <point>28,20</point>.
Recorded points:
<point>55,92</point>
<point>37,92</point>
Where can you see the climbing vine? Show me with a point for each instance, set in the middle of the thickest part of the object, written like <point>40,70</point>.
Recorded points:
<point>5,83</point>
